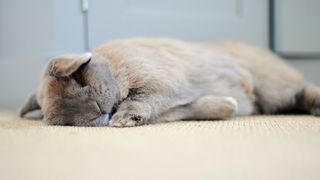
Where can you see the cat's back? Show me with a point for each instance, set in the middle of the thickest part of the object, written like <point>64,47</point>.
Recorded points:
<point>261,62</point>
<point>161,51</point>
<point>147,46</point>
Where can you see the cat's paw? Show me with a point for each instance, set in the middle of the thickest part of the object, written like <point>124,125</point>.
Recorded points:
<point>126,119</point>
<point>213,107</point>
<point>233,103</point>
<point>229,108</point>
<point>315,109</point>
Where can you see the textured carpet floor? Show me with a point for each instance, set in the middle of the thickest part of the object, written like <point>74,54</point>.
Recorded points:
<point>260,147</point>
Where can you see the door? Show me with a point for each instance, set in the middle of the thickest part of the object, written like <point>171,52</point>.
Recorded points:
<point>200,20</point>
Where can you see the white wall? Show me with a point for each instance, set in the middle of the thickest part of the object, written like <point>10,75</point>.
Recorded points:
<point>31,32</point>
<point>26,42</point>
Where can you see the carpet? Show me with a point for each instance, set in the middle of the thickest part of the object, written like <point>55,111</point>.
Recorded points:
<point>255,147</point>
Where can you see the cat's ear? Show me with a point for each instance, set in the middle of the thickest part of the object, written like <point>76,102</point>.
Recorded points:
<point>64,66</point>
<point>30,105</point>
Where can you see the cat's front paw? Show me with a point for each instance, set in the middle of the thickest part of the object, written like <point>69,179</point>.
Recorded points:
<point>126,119</point>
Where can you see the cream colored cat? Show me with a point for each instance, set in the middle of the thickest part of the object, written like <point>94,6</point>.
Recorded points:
<point>139,81</point>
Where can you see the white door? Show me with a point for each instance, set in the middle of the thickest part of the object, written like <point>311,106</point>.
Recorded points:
<point>205,20</point>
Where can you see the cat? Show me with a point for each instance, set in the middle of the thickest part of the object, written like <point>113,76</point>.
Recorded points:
<point>138,81</point>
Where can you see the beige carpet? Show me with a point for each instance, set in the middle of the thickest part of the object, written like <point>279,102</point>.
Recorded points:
<point>257,148</point>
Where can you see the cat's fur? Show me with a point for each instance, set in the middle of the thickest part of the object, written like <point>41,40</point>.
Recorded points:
<point>139,81</point>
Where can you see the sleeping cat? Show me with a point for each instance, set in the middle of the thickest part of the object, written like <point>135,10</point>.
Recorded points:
<point>139,81</point>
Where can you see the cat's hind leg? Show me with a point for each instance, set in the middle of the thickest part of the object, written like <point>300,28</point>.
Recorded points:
<point>309,100</point>
<point>208,107</point>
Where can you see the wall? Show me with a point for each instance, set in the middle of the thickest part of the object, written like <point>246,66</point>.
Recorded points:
<point>31,32</point>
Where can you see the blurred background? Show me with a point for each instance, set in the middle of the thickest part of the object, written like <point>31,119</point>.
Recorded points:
<point>33,31</point>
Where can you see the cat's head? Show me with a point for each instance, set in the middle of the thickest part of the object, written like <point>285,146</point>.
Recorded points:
<point>75,90</point>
